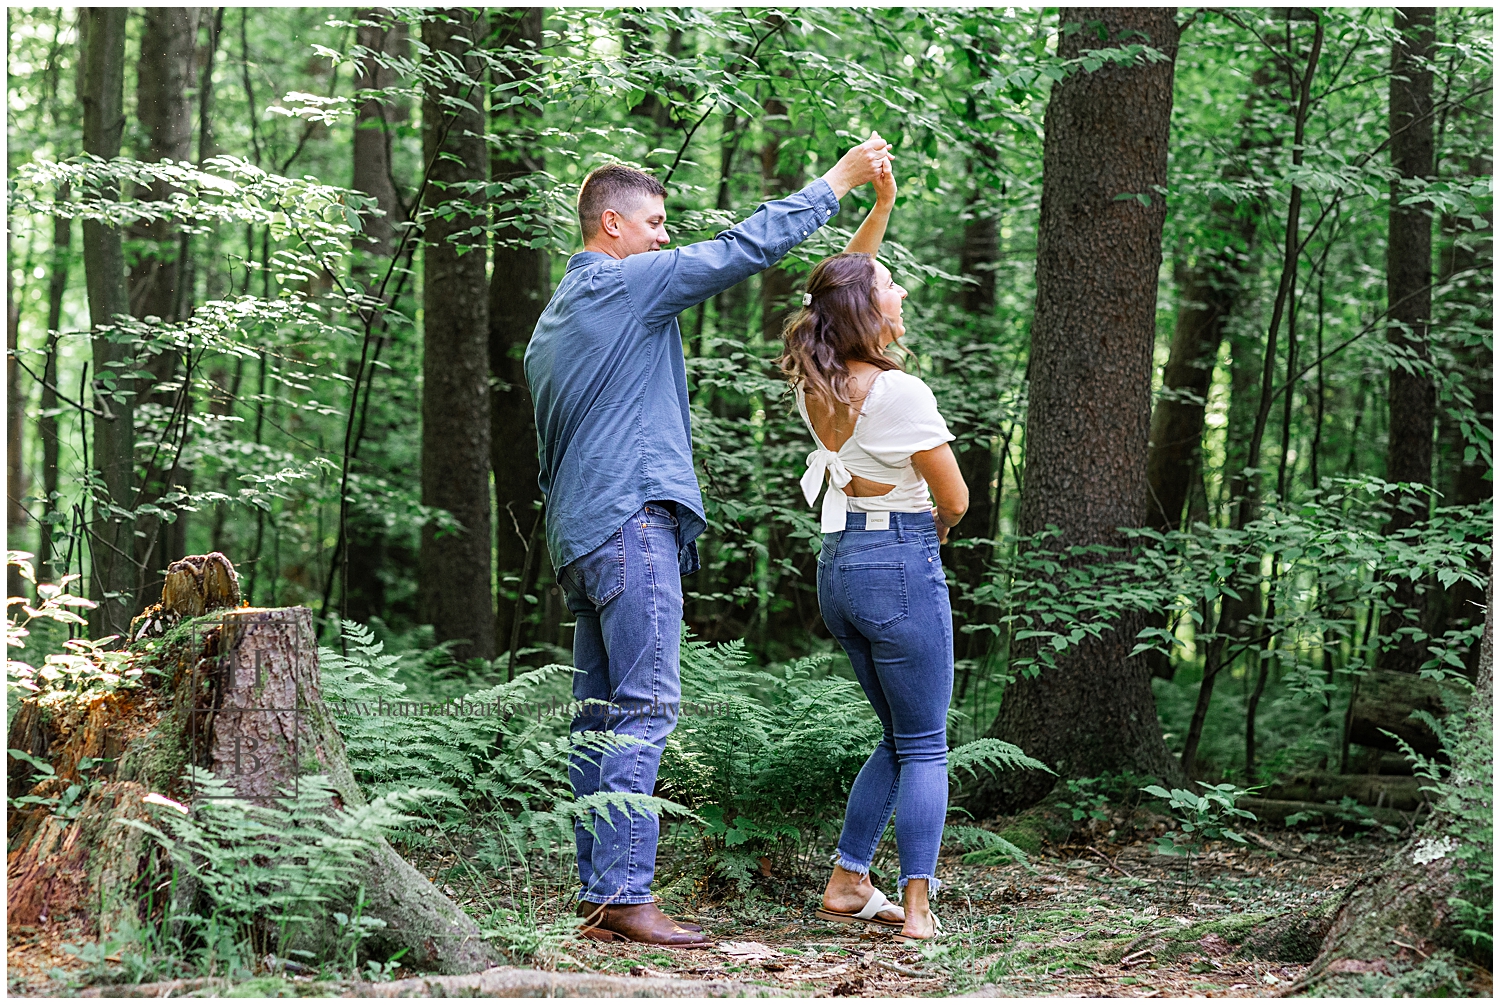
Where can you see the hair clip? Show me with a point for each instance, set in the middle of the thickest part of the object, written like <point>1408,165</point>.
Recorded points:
<point>807,300</point>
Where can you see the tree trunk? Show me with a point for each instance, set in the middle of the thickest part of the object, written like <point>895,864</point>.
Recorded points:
<point>1469,474</point>
<point>57,285</point>
<point>978,257</point>
<point>1408,267</point>
<point>15,420</point>
<point>372,129</point>
<point>454,568</point>
<point>364,594</point>
<point>112,535</point>
<point>270,725</point>
<point>975,447</point>
<point>241,697</point>
<point>1206,293</point>
<point>1087,431</point>
<point>520,285</point>
<point>1208,285</point>
<point>164,108</point>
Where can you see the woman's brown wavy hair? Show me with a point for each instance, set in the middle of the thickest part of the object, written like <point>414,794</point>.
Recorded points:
<point>840,326</point>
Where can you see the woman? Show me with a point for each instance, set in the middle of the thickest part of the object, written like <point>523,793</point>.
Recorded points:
<point>881,445</point>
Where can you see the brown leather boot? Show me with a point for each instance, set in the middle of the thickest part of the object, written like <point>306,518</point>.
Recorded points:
<point>637,923</point>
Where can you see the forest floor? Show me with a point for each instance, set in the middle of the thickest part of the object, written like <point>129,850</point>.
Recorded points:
<point>1096,919</point>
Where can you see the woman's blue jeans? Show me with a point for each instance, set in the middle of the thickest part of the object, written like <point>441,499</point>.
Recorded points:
<point>883,596</point>
<point>627,597</point>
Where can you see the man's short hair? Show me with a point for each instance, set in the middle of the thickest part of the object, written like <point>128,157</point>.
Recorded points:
<point>616,187</point>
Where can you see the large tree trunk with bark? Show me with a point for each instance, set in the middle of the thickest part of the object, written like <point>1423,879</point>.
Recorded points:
<point>164,109</point>
<point>240,694</point>
<point>454,568</point>
<point>520,284</point>
<point>112,578</point>
<point>1087,430</point>
<point>1408,266</point>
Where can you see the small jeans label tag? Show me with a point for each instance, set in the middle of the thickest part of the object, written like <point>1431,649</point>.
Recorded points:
<point>877,521</point>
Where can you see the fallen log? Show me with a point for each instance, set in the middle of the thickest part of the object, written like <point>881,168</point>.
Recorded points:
<point>237,692</point>
<point>497,982</point>
<point>1384,701</point>
<point>1397,792</point>
<point>1274,812</point>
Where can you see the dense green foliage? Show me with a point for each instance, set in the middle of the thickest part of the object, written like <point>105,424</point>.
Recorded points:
<point>730,106</point>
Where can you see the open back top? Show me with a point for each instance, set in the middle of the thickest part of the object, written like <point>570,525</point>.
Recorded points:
<point>900,417</point>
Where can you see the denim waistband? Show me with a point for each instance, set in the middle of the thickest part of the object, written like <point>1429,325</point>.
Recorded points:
<point>899,521</point>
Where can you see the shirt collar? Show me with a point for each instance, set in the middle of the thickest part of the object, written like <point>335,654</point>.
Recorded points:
<point>583,258</point>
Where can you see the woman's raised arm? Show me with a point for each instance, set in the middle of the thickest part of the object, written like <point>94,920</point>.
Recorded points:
<point>866,240</point>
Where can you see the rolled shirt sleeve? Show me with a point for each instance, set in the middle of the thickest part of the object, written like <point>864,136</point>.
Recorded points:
<point>663,284</point>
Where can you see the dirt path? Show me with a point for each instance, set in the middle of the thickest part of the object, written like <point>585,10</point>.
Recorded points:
<point>1105,920</point>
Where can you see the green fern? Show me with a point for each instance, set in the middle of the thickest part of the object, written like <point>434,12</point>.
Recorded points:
<point>502,778</point>
<point>770,775</point>
<point>984,847</point>
<point>272,875</point>
<point>989,754</point>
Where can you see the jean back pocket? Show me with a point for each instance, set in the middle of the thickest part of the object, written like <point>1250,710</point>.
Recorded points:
<point>600,575</point>
<point>876,592</point>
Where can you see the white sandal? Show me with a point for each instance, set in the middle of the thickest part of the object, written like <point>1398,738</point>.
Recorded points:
<point>877,903</point>
<point>937,929</point>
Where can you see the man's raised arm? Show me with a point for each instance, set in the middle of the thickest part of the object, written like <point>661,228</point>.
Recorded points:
<point>663,284</point>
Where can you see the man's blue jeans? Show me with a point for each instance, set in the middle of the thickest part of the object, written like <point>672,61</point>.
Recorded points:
<point>883,596</point>
<point>627,596</point>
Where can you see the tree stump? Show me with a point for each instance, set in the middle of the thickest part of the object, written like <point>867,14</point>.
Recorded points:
<point>269,725</point>
<point>239,695</point>
<point>194,586</point>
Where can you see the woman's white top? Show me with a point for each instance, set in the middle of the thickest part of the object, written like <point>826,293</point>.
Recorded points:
<point>900,417</point>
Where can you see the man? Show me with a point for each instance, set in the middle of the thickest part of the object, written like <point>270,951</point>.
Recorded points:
<point>606,372</point>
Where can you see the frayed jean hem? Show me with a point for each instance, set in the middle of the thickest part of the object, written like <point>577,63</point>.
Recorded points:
<point>849,865</point>
<point>933,884</point>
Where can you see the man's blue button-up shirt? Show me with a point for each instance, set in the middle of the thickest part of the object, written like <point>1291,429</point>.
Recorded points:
<point>606,372</point>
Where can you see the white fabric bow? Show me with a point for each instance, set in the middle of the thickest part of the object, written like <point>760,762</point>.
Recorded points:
<point>827,464</point>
